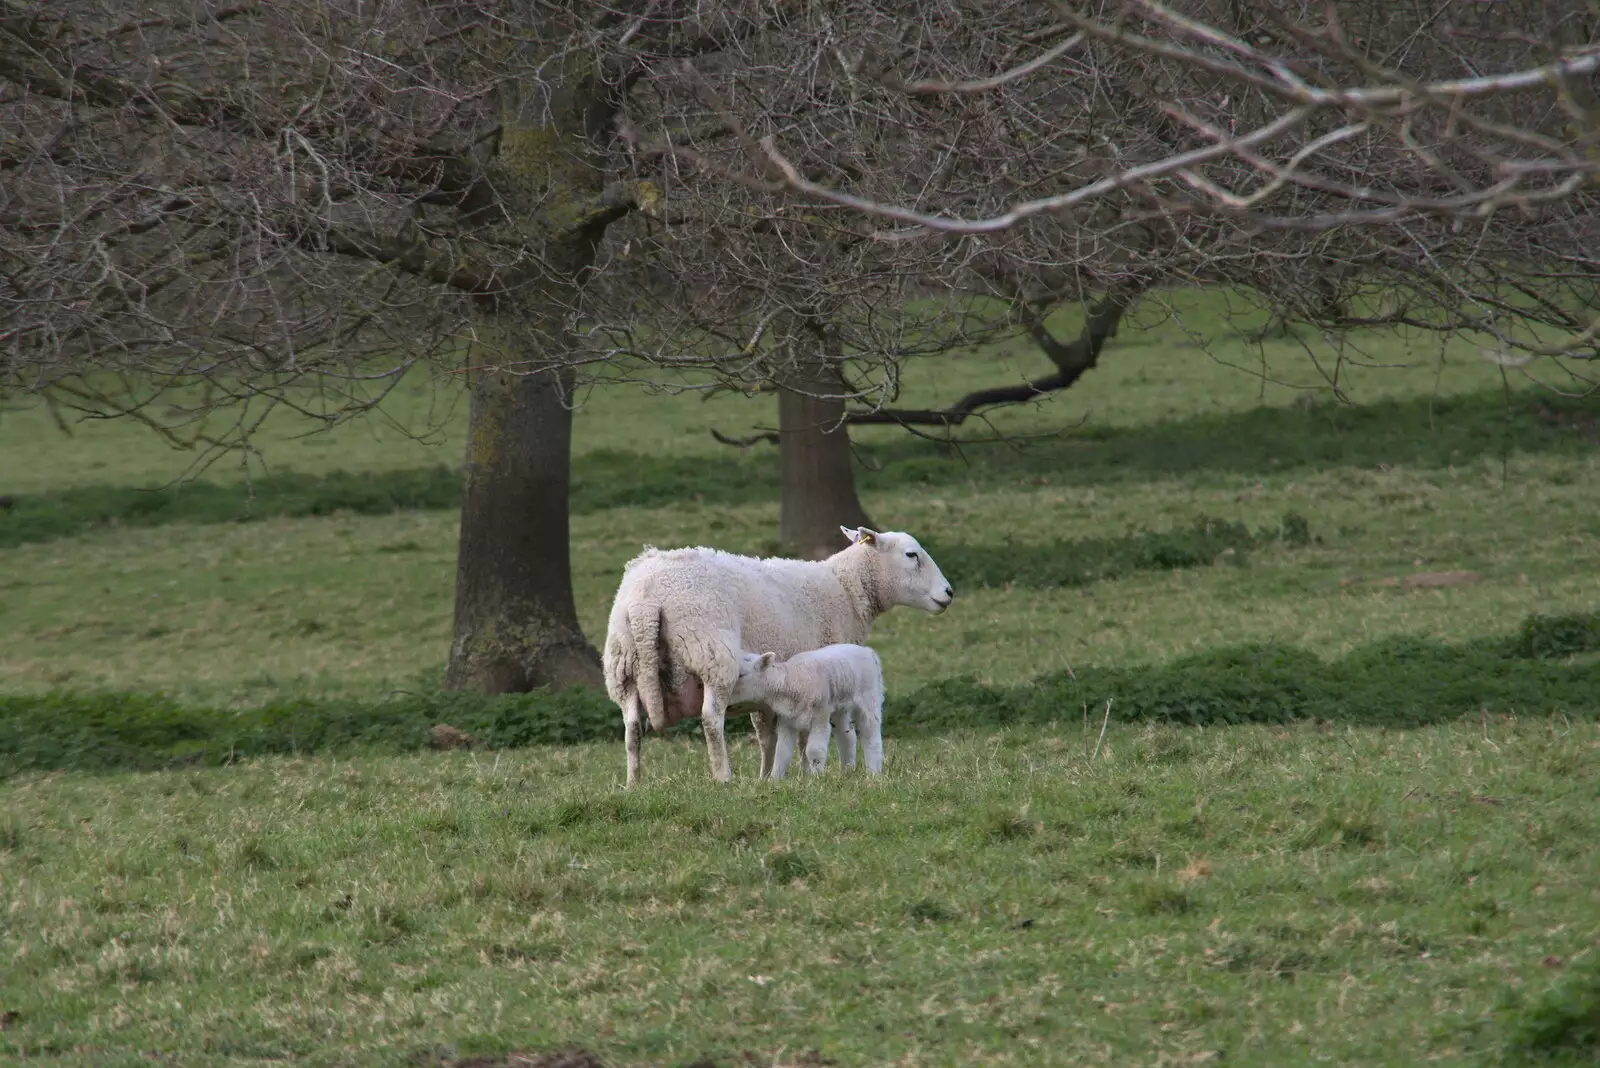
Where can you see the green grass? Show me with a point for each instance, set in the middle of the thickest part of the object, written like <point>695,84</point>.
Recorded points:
<point>1263,896</point>
<point>1544,667</point>
<point>1564,1022</point>
<point>358,606</point>
<point>1179,375</point>
<point>1467,430</point>
<point>1333,817</point>
<point>341,584</point>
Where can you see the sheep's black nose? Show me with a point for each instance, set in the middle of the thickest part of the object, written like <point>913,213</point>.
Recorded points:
<point>949,594</point>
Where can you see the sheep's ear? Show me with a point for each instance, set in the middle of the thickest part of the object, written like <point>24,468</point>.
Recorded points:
<point>768,659</point>
<point>860,535</point>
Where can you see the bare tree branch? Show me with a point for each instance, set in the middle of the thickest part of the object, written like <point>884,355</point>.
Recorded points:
<point>1440,159</point>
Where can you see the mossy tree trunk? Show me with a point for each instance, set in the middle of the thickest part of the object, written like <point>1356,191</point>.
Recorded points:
<point>516,622</point>
<point>818,493</point>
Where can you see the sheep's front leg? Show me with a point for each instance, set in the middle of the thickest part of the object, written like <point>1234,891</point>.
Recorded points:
<point>844,723</point>
<point>787,739</point>
<point>633,731</point>
<point>712,712</point>
<point>766,724</point>
<point>817,744</point>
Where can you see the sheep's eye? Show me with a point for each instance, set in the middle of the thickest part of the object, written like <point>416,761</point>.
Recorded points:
<point>911,556</point>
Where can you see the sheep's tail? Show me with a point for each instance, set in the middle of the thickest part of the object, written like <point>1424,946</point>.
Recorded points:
<point>644,622</point>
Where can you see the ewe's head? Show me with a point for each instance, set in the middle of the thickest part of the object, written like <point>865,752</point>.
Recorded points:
<point>906,573</point>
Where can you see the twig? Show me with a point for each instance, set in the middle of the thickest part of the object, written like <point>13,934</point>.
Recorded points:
<point>1484,714</point>
<point>790,176</point>
<point>980,85</point>
<point>1103,721</point>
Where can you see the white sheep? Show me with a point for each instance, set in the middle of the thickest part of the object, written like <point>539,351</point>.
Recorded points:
<point>813,692</point>
<point>682,619</point>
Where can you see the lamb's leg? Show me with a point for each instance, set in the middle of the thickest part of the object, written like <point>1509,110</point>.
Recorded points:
<point>712,713</point>
<point>844,724</point>
<point>869,721</point>
<point>766,724</point>
<point>787,738</point>
<point>633,730</point>
<point>817,744</point>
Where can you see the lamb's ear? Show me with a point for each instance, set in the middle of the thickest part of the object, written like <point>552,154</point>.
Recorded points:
<point>768,659</point>
<point>861,535</point>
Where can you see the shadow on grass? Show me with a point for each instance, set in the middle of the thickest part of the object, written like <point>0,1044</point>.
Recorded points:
<point>1402,682</point>
<point>1561,1026</point>
<point>1453,430</point>
<point>1081,561</point>
<point>1411,431</point>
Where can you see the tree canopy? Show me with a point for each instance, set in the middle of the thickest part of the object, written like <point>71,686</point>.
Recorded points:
<point>238,207</point>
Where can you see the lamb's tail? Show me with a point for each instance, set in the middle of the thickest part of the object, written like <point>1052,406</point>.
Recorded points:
<point>644,621</point>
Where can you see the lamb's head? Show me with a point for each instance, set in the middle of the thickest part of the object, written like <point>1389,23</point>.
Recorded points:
<point>755,679</point>
<point>906,574</point>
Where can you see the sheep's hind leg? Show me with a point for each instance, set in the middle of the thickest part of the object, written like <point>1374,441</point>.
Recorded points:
<point>869,721</point>
<point>633,729</point>
<point>712,713</point>
<point>844,724</point>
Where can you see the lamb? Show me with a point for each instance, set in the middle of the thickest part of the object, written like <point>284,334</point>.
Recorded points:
<point>813,691</point>
<point>682,618</point>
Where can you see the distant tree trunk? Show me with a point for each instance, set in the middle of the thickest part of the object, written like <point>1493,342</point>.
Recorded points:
<point>818,482</point>
<point>516,623</point>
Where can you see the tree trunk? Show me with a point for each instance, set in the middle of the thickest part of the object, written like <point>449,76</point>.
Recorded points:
<point>516,624</point>
<point>818,482</point>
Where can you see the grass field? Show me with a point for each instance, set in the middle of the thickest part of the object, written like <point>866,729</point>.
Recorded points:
<point>1332,818</point>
